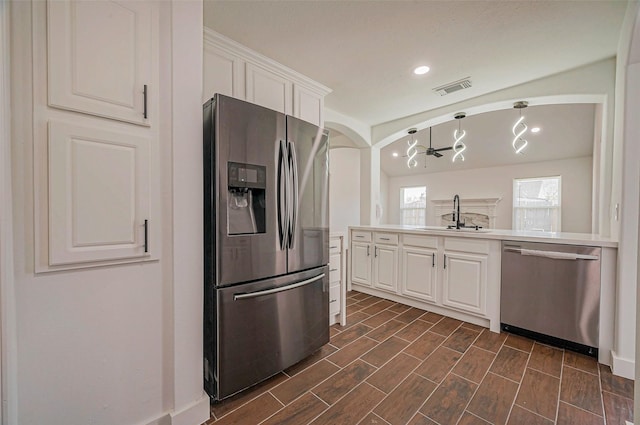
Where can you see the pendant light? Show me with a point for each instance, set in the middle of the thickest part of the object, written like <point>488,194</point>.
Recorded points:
<point>458,135</point>
<point>519,128</point>
<point>412,150</point>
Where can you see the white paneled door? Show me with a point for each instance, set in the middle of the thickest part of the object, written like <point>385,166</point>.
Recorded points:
<point>98,194</point>
<point>100,56</point>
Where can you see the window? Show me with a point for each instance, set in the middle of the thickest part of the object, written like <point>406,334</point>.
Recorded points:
<point>413,206</point>
<point>536,204</point>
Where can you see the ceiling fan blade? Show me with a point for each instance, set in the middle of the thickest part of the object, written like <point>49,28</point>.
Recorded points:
<point>437,154</point>
<point>444,149</point>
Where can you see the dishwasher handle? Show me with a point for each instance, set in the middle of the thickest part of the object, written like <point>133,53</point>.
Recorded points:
<point>555,255</point>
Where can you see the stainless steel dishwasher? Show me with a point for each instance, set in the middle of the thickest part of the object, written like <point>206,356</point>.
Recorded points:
<point>551,292</point>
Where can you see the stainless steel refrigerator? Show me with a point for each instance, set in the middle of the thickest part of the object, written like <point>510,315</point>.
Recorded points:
<point>266,243</point>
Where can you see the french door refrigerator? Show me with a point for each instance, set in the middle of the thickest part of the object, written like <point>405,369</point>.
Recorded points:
<point>266,243</point>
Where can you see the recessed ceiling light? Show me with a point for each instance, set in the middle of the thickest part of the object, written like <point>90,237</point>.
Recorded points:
<point>535,130</point>
<point>395,154</point>
<point>421,70</point>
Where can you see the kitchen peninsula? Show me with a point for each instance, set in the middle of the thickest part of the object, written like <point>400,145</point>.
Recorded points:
<point>457,272</point>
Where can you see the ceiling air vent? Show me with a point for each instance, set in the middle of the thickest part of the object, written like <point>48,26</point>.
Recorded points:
<point>449,88</point>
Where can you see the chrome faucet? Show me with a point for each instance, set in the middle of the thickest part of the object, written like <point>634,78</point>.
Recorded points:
<point>456,211</point>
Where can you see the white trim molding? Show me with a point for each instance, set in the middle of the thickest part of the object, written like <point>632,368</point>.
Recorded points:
<point>623,367</point>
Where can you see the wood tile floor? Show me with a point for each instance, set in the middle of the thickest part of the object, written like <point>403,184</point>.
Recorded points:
<point>393,364</point>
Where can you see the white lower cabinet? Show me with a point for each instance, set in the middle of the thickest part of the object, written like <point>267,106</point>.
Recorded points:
<point>453,274</point>
<point>337,284</point>
<point>464,281</point>
<point>420,273</point>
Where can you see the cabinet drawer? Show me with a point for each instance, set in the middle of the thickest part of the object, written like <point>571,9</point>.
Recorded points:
<point>334,268</point>
<point>478,246</point>
<point>360,236</point>
<point>386,238</point>
<point>335,245</point>
<point>334,299</point>
<point>420,241</point>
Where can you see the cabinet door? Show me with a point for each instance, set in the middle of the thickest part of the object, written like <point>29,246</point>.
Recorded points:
<point>308,105</point>
<point>361,263</point>
<point>465,281</point>
<point>385,267</point>
<point>101,57</point>
<point>268,89</point>
<point>222,73</point>
<point>98,194</point>
<point>420,273</point>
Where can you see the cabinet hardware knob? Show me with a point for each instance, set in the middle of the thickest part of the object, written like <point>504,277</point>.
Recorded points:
<point>433,259</point>
<point>445,261</point>
<point>146,236</point>
<point>144,93</point>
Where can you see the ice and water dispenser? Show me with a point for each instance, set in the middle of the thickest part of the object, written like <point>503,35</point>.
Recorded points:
<point>246,198</point>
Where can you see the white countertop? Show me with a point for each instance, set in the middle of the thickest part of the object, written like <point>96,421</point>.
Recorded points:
<point>500,234</point>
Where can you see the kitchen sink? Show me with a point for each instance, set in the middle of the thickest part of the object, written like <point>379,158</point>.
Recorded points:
<point>445,228</point>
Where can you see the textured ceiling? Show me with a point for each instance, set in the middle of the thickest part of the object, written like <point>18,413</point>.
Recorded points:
<point>365,50</point>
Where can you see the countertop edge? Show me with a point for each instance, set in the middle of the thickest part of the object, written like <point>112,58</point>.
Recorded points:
<point>565,238</point>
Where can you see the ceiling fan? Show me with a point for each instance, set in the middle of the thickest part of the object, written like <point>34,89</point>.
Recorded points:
<point>414,149</point>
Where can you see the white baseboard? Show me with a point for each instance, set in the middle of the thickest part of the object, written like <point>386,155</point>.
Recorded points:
<point>195,414</point>
<point>623,367</point>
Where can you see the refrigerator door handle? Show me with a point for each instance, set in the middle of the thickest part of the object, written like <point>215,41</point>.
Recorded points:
<point>282,194</point>
<point>293,200</point>
<point>255,294</point>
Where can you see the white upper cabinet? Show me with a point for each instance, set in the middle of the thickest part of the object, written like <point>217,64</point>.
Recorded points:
<point>268,89</point>
<point>98,194</point>
<point>234,70</point>
<point>100,58</point>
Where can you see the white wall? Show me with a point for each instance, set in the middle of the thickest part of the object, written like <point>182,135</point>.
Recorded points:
<point>119,344</point>
<point>344,192</point>
<point>497,182</point>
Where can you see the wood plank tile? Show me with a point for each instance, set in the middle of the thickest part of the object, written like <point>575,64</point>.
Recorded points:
<point>520,416</point>
<point>223,407</point>
<point>353,319</point>
<point>333,332</point>
<point>403,402</point>
<point>385,351</point>
<point>372,419</point>
<point>413,330</point>
<point>474,364</point>
<point>410,315</point>
<point>446,326</point>
<point>490,340</point>
<point>351,408</point>
<point>539,393</point>
<point>258,409</point>
<point>617,409</point>
<point>384,331</point>
<point>358,295</point>
<point>510,363</point>
<point>399,308</point>
<point>379,319</point>
<point>519,342</point>
<point>571,415</point>
<point>394,372</point>
<point>432,317</point>
<point>378,307</point>
<point>424,345</point>
<point>469,419</point>
<point>615,384</point>
<point>580,361</point>
<point>546,359</point>
<point>301,411</point>
<point>581,389</point>
<point>367,302</point>
<point>492,402</point>
<point>438,364</point>
<point>420,419</point>
<point>349,335</point>
<point>302,382</point>
<point>323,352</point>
<point>344,381</point>
<point>449,400</point>
<point>354,308</point>
<point>347,354</point>
<point>461,339</point>
<point>474,327</point>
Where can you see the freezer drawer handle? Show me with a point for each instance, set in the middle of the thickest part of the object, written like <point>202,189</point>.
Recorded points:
<point>552,254</point>
<point>237,297</point>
